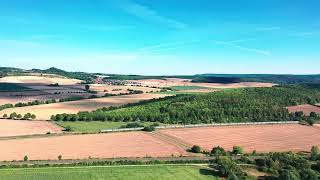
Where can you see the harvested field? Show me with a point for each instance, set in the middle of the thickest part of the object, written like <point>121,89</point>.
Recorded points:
<point>262,138</point>
<point>44,112</point>
<point>306,109</point>
<point>129,144</point>
<point>113,89</point>
<point>187,82</point>
<point>39,79</point>
<point>19,127</point>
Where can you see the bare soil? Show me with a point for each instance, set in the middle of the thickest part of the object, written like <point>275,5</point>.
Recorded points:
<point>306,109</point>
<point>128,144</point>
<point>187,82</point>
<point>19,127</point>
<point>262,138</point>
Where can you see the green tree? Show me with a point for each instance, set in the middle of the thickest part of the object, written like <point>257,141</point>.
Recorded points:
<point>196,149</point>
<point>314,155</point>
<point>19,116</point>
<point>87,87</point>
<point>237,150</point>
<point>68,128</point>
<point>25,158</point>
<point>13,115</point>
<point>289,175</point>
<point>218,151</point>
<point>33,116</point>
<point>5,116</point>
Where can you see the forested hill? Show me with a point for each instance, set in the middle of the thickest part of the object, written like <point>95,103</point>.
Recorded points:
<point>74,75</point>
<point>237,105</point>
<point>87,77</point>
<point>273,78</point>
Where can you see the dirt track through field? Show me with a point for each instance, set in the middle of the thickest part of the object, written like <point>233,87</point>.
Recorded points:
<point>263,138</point>
<point>44,112</point>
<point>128,144</point>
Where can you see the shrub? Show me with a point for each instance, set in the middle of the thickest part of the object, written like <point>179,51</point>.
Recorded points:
<point>314,155</point>
<point>237,150</point>
<point>217,151</point>
<point>25,158</point>
<point>68,128</point>
<point>59,157</point>
<point>196,149</point>
<point>5,116</point>
<point>149,128</point>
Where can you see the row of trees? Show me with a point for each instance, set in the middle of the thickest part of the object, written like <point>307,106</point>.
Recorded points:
<point>14,116</point>
<point>238,105</point>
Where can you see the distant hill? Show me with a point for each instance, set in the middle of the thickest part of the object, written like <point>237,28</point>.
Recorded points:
<point>198,78</point>
<point>87,77</point>
<point>274,78</point>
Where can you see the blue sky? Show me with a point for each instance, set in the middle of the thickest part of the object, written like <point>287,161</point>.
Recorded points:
<point>162,36</point>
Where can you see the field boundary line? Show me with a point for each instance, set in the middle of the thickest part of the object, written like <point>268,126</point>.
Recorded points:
<point>203,125</point>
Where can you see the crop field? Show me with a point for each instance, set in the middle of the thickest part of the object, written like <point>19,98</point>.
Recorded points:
<point>44,112</point>
<point>169,82</point>
<point>110,172</point>
<point>9,87</point>
<point>24,127</point>
<point>262,138</point>
<point>39,79</point>
<point>95,126</point>
<point>306,109</point>
<point>183,88</point>
<point>111,145</point>
<point>113,89</point>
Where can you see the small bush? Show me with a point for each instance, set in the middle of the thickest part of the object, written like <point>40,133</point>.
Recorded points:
<point>237,150</point>
<point>68,128</point>
<point>196,149</point>
<point>25,158</point>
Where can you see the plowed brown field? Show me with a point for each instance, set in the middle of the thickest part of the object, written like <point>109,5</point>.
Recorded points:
<point>128,144</point>
<point>18,127</point>
<point>263,138</point>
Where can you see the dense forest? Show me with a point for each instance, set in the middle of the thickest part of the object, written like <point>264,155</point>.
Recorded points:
<point>236,105</point>
<point>273,78</point>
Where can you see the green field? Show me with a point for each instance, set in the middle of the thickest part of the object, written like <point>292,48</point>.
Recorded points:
<point>184,88</point>
<point>8,87</point>
<point>153,172</point>
<point>94,126</point>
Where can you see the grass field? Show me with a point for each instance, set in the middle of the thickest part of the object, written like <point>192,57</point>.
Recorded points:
<point>94,126</point>
<point>8,87</point>
<point>117,172</point>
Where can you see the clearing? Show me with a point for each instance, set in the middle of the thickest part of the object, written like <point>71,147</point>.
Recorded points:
<point>306,109</point>
<point>110,172</point>
<point>25,127</point>
<point>262,138</point>
<point>111,145</point>
<point>44,112</point>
